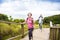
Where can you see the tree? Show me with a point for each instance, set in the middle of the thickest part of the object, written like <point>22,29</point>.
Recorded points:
<point>55,19</point>
<point>10,18</point>
<point>16,20</point>
<point>22,20</point>
<point>19,20</point>
<point>4,17</point>
<point>36,22</point>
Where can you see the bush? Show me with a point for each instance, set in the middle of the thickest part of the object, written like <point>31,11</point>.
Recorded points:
<point>36,22</point>
<point>6,30</point>
<point>15,29</point>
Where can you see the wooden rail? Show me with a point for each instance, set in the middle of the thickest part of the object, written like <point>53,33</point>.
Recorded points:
<point>16,36</point>
<point>55,33</point>
<point>9,22</point>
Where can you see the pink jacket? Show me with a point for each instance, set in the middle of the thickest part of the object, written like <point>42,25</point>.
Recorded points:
<point>29,22</point>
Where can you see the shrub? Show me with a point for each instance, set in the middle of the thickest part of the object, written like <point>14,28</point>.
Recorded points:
<point>6,30</point>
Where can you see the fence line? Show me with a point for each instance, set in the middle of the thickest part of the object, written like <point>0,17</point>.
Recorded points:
<point>9,22</point>
<point>22,29</point>
<point>16,36</point>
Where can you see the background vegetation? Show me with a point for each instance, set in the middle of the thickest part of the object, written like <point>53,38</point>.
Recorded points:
<point>55,19</point>
<point>7,31</point>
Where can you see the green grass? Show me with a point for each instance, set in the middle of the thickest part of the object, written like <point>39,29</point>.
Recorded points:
<point>46,26</point>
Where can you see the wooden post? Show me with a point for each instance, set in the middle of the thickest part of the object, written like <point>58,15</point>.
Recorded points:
<point>1,37</point>
<point>8,23</point>
<point>22,28</point>
<point>59,35</point>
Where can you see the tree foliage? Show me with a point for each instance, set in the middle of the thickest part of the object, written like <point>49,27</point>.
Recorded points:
<point>36,22</point>
<point>22,20</point>
<point>10,19</point>
<point>4,17</point>
<point>16,20</point>
<point>55,19</point>
<point>19,20</point>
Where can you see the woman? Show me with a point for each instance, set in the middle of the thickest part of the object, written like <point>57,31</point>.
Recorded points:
<point>40,22</point>
<point>29,22</point>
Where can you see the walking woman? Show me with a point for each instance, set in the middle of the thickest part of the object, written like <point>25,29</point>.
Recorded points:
<point>40,21</point>
<point>30,24</point>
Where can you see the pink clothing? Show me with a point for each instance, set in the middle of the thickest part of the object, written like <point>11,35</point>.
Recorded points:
<point>30,23</point>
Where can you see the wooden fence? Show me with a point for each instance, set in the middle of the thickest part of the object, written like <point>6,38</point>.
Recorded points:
<point>22,27</point>
<point>54,33</point>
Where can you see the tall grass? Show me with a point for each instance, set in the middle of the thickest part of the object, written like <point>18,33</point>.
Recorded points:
<point>7,31</point>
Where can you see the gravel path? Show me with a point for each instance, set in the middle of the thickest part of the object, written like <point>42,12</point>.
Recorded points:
<point>38,35</point>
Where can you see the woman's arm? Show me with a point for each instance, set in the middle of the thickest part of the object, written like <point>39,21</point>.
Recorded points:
<point>33,20</point>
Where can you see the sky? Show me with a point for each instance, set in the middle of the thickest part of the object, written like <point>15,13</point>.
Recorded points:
<point>20,8</point>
